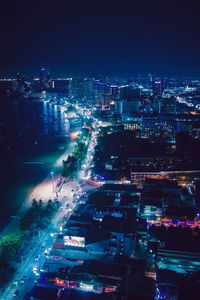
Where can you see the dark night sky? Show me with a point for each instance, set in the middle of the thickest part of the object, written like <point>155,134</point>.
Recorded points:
<point>117,37</point>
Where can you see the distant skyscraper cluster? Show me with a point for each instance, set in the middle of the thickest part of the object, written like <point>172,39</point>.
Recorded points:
<point>123,96</point>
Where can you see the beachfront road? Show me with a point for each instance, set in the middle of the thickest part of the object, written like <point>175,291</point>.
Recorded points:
<point>32,264</point>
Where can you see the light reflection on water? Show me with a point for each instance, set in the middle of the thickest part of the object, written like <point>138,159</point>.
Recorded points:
<point>34,132</point>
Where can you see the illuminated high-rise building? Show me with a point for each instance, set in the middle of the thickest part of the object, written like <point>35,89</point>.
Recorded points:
<point>88,91</point>
<point>158,86</point>
<point>77,89</point>
<point>44,79</point>
<point>114,91</point>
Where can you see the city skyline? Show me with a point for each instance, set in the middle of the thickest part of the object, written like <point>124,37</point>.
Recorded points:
<point>99,150</point>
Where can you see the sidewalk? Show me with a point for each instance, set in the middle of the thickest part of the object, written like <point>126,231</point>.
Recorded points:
<point>43,190</point>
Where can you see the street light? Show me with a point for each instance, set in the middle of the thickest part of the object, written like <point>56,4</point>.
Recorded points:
<point>52,173</point>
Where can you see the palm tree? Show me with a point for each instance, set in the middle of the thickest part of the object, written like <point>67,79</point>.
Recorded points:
<point>41,203</point>
<point>34,203</point>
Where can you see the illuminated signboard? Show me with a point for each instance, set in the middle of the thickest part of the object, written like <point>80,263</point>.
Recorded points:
<point>59,282</point>
<point>110,289</point>
<point>86,287</point>
<point>75,241</point>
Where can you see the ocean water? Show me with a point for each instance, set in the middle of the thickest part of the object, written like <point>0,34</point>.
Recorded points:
<point>33,135</point>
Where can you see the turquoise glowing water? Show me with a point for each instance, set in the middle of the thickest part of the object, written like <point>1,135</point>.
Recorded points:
<point>35,135</point>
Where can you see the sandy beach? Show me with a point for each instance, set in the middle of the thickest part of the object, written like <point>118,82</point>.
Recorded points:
<point>43,190</point>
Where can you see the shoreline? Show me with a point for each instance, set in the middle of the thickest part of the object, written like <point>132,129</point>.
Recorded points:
<point>44,189</point>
